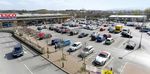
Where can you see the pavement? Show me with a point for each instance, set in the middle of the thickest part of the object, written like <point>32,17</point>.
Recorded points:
<point>30,63</point>
<point>131,68</point>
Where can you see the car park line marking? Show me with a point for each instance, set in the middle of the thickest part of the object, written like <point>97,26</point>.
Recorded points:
<point>108,62</point>
<point>76,52</point>
<point>24,51</point>
<point>28,69</point>
<point>92,56</point>
<point>123,67</point>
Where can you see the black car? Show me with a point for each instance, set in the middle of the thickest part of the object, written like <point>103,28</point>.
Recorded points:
<point>83,35</point>
<point>130,45</point>
<point>125,34</point>
<point>18,51</point>
<point>39,28</point>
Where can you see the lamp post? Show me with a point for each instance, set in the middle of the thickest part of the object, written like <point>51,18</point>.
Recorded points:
<point>141,34</point>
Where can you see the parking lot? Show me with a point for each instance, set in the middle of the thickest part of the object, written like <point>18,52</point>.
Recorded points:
<point>117,48</point>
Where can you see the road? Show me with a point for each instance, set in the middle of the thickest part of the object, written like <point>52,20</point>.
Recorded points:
<point>29,63</point>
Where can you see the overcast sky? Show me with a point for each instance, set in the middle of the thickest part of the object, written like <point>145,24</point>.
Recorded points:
<point>74,4</point>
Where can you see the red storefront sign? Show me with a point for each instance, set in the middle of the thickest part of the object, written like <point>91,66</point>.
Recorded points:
<point>7,15</point>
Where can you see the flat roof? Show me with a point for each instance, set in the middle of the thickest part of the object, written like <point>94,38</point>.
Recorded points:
<point>39,15</point>
<point>129,16</point>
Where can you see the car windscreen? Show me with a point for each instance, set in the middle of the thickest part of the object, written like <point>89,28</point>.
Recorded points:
<point>86,49</point>
<point>75,45</point>
<point>103,55</point>
<point>108,40</point>
<point>17,49</point>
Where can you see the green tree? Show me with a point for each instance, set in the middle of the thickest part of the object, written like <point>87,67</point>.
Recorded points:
<point>147,12</point>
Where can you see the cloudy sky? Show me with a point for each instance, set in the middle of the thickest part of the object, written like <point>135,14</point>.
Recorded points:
<point>74,4</point>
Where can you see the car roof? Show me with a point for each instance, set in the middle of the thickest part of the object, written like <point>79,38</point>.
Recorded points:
<point>77,42</point>
<point>131,43</point>
<point>89,46</point>
<point>109,38</point>
<point>104,52</point>
<point>67,40</point>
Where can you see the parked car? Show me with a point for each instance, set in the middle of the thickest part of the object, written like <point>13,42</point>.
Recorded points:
<point>42,35</point>
<point>130,45</point>
<point>55,41</point>
<point>124,34</point>
<point>63,43</point>
<point>102,58</point>
<point>148,33</point>
<point>86,51</point>
<point>111,29</point>
<point>58,29</point>
<point>144,29</point>
<point>52,27</point>
<point>126,30</point>
<point>39,28</point>
<point>105,25</point>
<point>106,36</point>
<point>18,50</point>
<point>100,38</point>
<point>138,27</point>
<point>74,32</point>
<point>44,27</point>
<point>102,29</point>
<point>93,36</point>
<point>83,35</point>
<point>109,41</point>
<point>75,46</point>
<point>64,30</point>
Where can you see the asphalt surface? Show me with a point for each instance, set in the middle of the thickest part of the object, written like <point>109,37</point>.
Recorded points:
<point>29,63</point>
<point>117,49</point>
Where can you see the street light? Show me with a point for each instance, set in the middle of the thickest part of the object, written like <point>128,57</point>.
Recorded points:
<point>141,34</point>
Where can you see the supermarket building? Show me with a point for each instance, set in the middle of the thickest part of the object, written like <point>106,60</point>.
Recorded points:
<point>13,19</point>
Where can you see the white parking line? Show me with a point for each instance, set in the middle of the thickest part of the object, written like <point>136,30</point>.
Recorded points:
<point>92,55</point>
<point>122,68</point>
<point>108,62</point>
<point>28,68</point>
<point>25,52</point>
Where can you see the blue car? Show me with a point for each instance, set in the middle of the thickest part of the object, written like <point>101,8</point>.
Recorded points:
<point>100,38</point>
<point>18,50</point>
<point>63,43</point>
<point>55,41</point>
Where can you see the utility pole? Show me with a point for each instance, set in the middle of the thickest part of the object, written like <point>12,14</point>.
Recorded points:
<point>141,33</point>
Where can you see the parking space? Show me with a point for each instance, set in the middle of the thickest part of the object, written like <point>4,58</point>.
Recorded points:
<point>117,48</point>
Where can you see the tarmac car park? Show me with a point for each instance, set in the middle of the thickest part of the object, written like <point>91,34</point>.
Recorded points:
<point>115,47</point>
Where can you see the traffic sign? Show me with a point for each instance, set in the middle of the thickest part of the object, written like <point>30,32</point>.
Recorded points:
<point>106,72</point>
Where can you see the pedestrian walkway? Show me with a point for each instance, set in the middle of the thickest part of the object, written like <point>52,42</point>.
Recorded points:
<point>131,68</point>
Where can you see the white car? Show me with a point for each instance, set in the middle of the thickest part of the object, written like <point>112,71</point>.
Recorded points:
<point>102,58</point>
<point>75,46</point>
<point>86,51</point>
<point>148,33</point>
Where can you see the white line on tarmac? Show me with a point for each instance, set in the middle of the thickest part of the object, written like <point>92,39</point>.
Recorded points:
<point>108,62</point>
<point>28,68</point>
<point>123,67</point>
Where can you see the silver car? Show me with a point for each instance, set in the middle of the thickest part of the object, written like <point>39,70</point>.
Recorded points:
<point>86,51</point>
<point>75,46</point>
